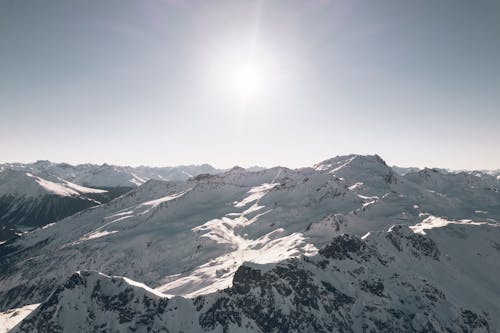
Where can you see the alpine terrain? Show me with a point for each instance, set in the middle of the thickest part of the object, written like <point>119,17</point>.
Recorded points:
<point>36,194</point>
<point>347,245</point>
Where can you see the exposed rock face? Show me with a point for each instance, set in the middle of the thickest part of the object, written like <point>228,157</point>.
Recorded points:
<point>418,245</point>
<point>343,247</point>
<point>110,299</point>
<point>388,282</point>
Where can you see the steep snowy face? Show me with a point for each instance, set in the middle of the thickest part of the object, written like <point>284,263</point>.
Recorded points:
<point>189,237</point>
<point>389,281</point>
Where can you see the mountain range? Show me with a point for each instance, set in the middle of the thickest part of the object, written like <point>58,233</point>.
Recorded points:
<point>36,194</point>
<point>349,245</point>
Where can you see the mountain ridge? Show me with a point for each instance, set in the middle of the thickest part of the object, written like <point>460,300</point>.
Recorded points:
<point>190,237</point>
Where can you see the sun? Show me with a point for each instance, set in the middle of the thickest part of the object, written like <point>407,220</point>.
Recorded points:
<point>248,80</point>
<point>240,77</point>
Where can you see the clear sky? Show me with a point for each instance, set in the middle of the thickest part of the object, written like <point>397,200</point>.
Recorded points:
<point>250,82</point>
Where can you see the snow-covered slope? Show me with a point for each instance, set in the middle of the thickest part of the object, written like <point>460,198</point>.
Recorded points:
<point>9,319</point>
<point>43,192</point>
<point>473,195</point>
<point>395,281</point>
<point>28,201</point>
<point>19,183</point>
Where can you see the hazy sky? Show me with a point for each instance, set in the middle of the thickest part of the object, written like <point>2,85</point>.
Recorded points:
<point>250,82</point>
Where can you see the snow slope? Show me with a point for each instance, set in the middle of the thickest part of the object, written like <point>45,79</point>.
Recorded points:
<point>9,319</point>
<point>20,183</point>
<point>32,194</point>
<point>28,201</point>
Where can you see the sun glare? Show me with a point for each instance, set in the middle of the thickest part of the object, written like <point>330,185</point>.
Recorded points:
<point>248,81</point>
<point>237,75</point>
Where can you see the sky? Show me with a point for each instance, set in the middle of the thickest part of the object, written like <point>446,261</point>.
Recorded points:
<point>246,83</point>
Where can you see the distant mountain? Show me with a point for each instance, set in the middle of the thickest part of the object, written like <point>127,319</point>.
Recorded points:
<point>479,173</point>
<point>106,176</point>
<point>403,171</point>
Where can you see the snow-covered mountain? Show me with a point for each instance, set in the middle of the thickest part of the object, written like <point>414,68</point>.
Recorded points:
<point>395,281</point>
<point>33,195</point>
<point>106,176</point>
<point>494,173</point>
<point>189,237</point>
<point>28,201</point>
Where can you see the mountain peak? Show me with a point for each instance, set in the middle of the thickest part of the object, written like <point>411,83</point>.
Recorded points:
<point>338,162</point>
<point>236,168</point>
